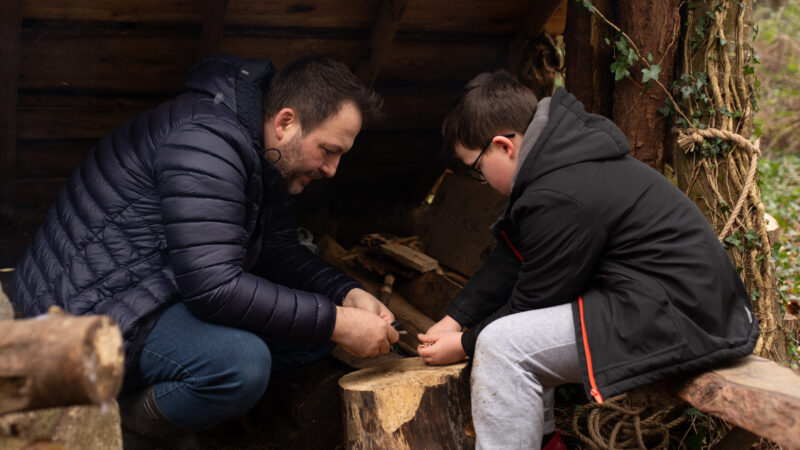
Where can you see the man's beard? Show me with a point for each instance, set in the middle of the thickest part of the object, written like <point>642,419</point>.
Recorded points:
<point>290,165</point>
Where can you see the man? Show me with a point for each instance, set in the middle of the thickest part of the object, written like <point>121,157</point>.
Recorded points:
<point>179,225</point>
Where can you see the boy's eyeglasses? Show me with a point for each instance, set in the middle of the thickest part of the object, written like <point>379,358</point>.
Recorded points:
<point>473,171</point>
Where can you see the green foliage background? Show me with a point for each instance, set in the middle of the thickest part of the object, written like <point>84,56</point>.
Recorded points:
<point>778,44</point>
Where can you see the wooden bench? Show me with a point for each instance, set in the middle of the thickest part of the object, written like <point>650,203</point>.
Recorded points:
<point>753,393</point>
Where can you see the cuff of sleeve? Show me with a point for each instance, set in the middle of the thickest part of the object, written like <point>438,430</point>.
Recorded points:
<point>468,340</point>
<point>458,315</point>
<point>327,319</point>
<point>338,298</point>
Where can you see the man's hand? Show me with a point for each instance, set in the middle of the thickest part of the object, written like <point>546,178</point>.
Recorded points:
<point>362,333</point>
<point>361,299</point>
<point>446,324</point>
<point>442,348</point>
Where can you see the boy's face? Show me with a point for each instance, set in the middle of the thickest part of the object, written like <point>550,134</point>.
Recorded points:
<point>497,163</point>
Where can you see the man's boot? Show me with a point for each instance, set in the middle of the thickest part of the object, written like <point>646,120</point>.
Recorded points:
<point>144,425</point>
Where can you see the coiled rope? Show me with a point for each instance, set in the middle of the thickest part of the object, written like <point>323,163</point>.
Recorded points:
<point>616,424</point>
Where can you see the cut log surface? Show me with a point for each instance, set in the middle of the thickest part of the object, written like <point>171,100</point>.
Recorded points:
<point>407,404</point>
<point>753,393</point>
<point>59,360</point>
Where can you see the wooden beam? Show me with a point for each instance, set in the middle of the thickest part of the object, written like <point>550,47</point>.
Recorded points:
<point>538,16</point>
<point>753,393</point>
<point>213,23</point>
<point>380,40</point>
<point>10,28</point>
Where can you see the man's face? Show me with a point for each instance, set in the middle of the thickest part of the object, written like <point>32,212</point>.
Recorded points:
<point>315,155</point>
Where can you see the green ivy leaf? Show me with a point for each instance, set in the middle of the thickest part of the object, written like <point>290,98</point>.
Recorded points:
<point>694,412</point>
<point>753,238</point>
<point>619,69</point>
<point>734,241</point>
<point>686,91</point>
<point>622,45</point>
<point>588,5</point>
<point>667,109</point>
<point>651,73</point>
<point>632,58</point>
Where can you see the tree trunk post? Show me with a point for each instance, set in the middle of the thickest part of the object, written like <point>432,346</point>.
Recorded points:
<point>588,76</point>
<point>655,29</point>
<point>716,91</point>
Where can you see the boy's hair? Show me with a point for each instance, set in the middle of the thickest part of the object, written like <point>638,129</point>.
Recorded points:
<point>489,104</point>
<point>316,87</point>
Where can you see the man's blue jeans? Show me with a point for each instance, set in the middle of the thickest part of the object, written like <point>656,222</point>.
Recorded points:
<point>205,374</point>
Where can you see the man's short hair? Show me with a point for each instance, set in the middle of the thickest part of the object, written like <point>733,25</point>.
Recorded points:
<point>316,87</point>
<point>489,104</point>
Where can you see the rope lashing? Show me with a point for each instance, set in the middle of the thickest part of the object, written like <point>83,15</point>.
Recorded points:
<point>687,141</point>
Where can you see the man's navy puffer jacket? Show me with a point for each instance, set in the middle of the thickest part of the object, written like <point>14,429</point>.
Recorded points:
<point>178,204</point>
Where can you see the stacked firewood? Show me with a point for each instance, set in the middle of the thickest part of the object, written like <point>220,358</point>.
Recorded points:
<point>48,364</point>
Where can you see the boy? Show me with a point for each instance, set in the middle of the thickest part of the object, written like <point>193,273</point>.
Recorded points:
<point>604,274</point>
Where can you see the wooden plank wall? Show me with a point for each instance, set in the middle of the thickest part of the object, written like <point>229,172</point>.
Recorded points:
<point>85,67</point>
<point>10,23</point>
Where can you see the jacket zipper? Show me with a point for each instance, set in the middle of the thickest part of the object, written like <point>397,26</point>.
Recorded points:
<point>594,391</point>
<point>508,241</point>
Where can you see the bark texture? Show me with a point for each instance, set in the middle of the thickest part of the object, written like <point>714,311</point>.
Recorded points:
<point>755,394</point>
<point>655,28</point>
<point>716,62</point>
<point>59,360</point>
<point>587,60</point>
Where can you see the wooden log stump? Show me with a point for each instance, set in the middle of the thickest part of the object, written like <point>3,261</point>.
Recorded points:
<point>407,404</point>
<point>6,310</point>
<point>59,360</point>
<point>83,427</point>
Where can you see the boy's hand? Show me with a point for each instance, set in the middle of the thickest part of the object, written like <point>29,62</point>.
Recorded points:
<point>362,333</point>
<point>441,348</point>
<point>446,324</point>
<point>361,299</point>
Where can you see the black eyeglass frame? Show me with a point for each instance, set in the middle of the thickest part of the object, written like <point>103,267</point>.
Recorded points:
<point>473,171</point>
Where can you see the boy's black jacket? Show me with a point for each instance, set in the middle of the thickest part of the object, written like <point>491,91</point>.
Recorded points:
<point>586,221</point>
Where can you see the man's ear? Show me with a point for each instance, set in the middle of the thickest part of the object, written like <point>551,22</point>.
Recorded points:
<point>284,121</point>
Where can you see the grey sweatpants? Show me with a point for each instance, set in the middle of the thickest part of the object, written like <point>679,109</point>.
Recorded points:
<point>519,360</point>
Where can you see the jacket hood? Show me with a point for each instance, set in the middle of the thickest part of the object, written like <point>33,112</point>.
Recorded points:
<point>571,136</point>
<point>239,84</point>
